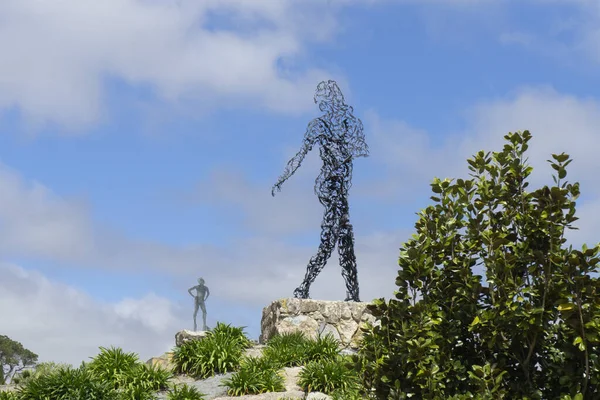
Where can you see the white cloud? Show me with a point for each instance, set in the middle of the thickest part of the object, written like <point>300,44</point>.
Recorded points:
<point>35,221</point>
<point>62,324</point>
<point>57,55</point>
<point>558,123</point>
<point>570,37</point>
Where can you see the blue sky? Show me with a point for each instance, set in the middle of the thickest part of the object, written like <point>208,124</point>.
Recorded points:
<point>140,140</point>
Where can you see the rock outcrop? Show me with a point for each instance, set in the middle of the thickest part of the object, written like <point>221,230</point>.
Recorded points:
<point>165,361</point>
<point>342,319</point>
<point>186,335</point>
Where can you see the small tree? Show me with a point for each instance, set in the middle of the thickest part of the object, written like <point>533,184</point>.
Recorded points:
<point>533,332</point>
<point>13,358</point>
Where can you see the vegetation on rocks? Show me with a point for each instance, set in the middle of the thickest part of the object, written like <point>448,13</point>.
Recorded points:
<point>530,329</point>
<point>491,304</point>
<point>117,375</point>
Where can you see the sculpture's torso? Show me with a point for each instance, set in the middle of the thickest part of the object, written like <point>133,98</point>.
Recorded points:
<point>200,293</point>
<point>336,153</point>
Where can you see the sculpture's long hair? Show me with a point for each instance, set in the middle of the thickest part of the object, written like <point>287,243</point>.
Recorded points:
<point>330,99</point>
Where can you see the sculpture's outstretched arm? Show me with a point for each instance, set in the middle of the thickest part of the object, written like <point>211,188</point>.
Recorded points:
<point>296,161</point>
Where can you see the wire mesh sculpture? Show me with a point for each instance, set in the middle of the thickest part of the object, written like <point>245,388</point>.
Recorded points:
<point>340,137</point>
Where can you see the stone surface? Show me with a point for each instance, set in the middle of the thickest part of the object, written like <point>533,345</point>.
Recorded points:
<point>340,318</point>
<point>214,390</point>
<point>186,335</point>
<point>290,375</point>
<point>254,351</point>
<point>8,388</point>
<point>165,361</point>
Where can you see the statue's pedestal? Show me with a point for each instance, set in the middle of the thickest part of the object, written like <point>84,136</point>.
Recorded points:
<point>340,318</point>
<point>186,335</point>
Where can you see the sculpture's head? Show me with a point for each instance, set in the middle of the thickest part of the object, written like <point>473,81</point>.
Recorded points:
<point>328,96</point>
<point>201,281</point>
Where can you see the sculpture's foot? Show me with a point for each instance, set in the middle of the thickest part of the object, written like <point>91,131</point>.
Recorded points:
<point>301,293</point>
<point>352,298</point>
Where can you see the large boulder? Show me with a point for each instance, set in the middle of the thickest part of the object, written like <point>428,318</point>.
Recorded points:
<point>185,335</point>
<point>342,319</point>
<point>165,361</point>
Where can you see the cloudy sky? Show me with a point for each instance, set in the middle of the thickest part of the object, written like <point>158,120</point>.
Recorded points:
<point>139,140</point>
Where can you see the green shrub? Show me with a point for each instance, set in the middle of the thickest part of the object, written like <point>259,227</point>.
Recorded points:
<point>132,379</point>
<point>40,369</point>
<point>328,376</point>
<point>256,375</point>
<point>144,377</point>
<point>111,363</point>
<point>184,392</point>
<point>532,332</point>
<point>219,352</point>
<point>232,333</point>
<point>136,392</point>
<point>287,349</point>
<point>67,384</point>
<point>324,348</point>
<point>8,395</point>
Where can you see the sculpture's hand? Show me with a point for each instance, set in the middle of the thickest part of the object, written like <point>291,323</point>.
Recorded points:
<point>276,187</point>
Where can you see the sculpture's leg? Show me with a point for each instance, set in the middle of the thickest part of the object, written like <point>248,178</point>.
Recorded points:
<point>195,314</point>
<point>347,256</point>
<point>318,261</point>
<point>204,327</point>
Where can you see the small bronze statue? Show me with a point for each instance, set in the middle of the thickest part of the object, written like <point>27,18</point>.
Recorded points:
<point>202,294</point>
<point>340,137</point>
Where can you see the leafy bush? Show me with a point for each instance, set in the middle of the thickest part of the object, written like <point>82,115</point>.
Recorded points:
<point>256,375</point>
<point>67,383</point>
<point>328,376</point>
<point>144,377</point>
<point>136,392</point>
<point>533,332</point>
<point>8,396</point>
<point>322,349</point>
<point>132,379</point>
<point>111,363</point>
<point>287,349</point>
<point>231,333</point>
<point>40,369</point>
<point>184,392</point>
<point>219,352</point>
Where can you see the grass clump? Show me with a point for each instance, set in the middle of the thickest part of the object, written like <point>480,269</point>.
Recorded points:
<point>184,392</point>
<point>256,375</point>
<point>329,376</point>
<point>112,375</point>
<point>287,349</point>
<point>324,348</point>
<point>67,383</point>
<point>221,351</point>
<point>8,396</point>
<point>294,349</point>
<point>127,374</point>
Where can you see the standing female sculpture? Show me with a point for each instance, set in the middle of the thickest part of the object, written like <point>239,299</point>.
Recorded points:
<point>340,137</point>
